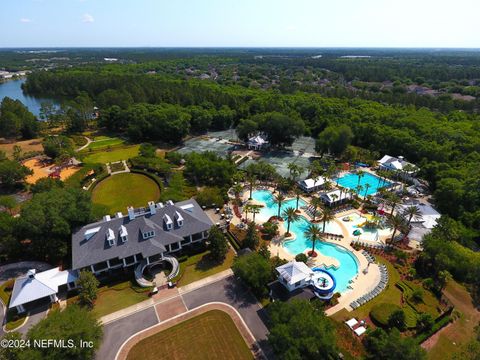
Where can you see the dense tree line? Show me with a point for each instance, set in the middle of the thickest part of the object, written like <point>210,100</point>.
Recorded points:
<point>16,121</point>
<point>446,147</point>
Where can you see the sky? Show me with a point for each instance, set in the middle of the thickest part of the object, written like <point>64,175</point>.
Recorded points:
<point>240,23</point>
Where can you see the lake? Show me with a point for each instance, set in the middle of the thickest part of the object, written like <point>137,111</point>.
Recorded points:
<point>13,89</point>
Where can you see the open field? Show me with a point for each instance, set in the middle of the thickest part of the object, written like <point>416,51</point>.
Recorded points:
<point>117,154</point>
<point>40,171</point>
<point>26,145</point>
<point>102,142</point>
<point>451,338</point>
<point>128,189</point>
<point>199,266</point>
<point>212,335</point>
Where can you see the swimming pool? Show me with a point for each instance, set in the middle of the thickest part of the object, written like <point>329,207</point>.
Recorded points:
<point>351,181</point>
<point>271,208</point>
<point>348,268</point>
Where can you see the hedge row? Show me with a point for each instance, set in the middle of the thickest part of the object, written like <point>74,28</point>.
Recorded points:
<point>440,322</point>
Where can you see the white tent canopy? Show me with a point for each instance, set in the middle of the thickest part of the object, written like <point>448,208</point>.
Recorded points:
<point>360,330</point>
<point>351,323</point>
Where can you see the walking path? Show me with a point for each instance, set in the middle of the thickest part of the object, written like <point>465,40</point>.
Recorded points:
<point>89,141</point>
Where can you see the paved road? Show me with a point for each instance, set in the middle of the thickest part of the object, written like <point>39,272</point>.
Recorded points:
<point>231,292</point>
<point>115,333</point>
<point>227,290</point>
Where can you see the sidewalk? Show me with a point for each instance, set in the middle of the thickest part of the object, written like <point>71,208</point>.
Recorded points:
<point>163,296</point>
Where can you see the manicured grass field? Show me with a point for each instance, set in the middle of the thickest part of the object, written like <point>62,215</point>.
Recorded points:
<point>199,266</point>
<point>212,335</point>
<point>102,142</point>
<point>117,297</point>
<point>119,191</point>
<point>106,156</point>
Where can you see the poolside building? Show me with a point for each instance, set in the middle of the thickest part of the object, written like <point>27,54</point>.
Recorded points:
<point>397,164</point>
<point>35,287</point>
<point>301,281</point>
<point>424,224</point>
<point>335,197</point>
<point>312,185</point>
<point>144,235</point>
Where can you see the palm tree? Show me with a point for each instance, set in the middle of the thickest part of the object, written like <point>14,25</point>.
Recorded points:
<point>279,199</point>
<point>295,170</point>
<point>291,216</point>
<point>367,186</point>
<point>412,213</point>
<point>255,209</point>
<point>252,179</point>
<point>393,201</point>
<point>313,234</point>
<point>327,215</point>
<point>316,203</point>
<point>360,174</point>
<point>237,189</point>
<point>395,223</point>
<point>246,209</point>
<point>315,169</point>
<point>297,191</point>
<point>359,189</point>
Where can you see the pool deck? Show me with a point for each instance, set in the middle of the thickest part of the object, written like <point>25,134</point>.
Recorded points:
<point>361,284</point>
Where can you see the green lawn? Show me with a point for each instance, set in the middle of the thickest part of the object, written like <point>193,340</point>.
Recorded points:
<point>461,331</point>
<point>115,297</point>
<point>102,142</point>
<point>212,335</point>
<point>178,189</point>
<point>116,154</point>
<point>128,189</point>
<point>13,319</point>
<point>199,266</point>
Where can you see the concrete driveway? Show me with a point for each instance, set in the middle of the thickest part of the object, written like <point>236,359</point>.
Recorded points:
<point>227,290</point>
<point>117,332</point>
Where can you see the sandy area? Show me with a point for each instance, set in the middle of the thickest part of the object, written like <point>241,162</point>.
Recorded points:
<point>26,145</point>
<point>40,171</point>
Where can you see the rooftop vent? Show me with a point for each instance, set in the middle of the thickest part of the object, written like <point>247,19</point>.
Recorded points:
<point>31,273</point>
<point>107,218</point>
<point>131,212</point>
<point>160,205</point>
<point>118,215</point>
<point>152,208</point>
<point>169,202</point>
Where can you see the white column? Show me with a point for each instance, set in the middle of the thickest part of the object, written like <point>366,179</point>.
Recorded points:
<point>91,267</point>
<point>20,309</point>
<point>108,264</point>
<point>124,263</point>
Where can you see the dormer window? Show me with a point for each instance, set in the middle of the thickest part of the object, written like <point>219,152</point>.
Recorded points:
<point>123,233</point>
<point>179,219</point>
<point>148,234</point>
<point>168,222</point>
<point>110,235</point>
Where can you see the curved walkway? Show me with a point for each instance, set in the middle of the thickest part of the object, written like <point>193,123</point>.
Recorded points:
<point>230,310</point>
<point>140,268</point>
<point>89,141</point>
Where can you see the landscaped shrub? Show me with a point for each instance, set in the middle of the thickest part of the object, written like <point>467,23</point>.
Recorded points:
<point>381,312</point>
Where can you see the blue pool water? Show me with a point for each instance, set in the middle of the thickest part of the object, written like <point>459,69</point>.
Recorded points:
<point>348,268</point>
<point>271,208</point>
<point>350,181</point>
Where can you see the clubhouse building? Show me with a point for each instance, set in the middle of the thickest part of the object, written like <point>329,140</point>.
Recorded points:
<point>145,234</point>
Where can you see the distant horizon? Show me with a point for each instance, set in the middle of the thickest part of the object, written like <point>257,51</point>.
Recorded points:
<point>246,24</point>
<point>242,47</point>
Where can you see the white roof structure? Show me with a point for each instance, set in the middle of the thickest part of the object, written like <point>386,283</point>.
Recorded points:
<point>351,323</point>
<point>257,140</point>
<point>294,272</point>
<point>429,216</point>
<point>360,330</point>
<point>394,163</point>
<point>35,286</point>
<point>333,196</point>
<point>313,183</point>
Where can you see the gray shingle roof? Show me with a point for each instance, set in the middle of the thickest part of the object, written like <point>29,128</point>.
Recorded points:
<point>96,249</point>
